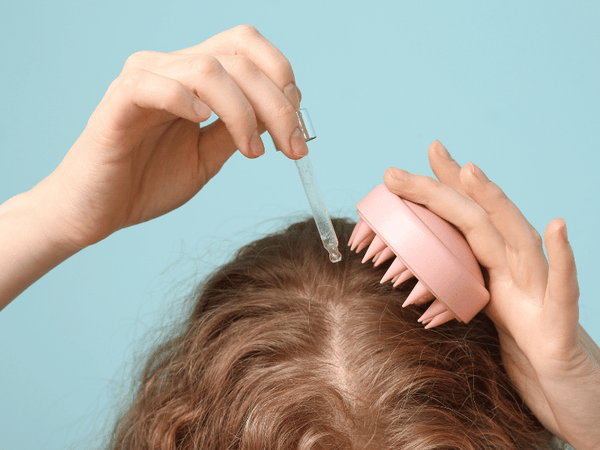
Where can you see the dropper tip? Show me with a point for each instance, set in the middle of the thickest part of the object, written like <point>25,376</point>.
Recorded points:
<point>335,256</point>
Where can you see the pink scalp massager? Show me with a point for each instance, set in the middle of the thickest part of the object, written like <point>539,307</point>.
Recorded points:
<point>426,247</point>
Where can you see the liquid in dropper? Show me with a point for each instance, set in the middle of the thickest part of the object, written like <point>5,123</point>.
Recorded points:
<point>315,199</point>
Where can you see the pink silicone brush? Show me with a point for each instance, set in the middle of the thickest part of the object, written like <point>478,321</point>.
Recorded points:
<point>424,246</point>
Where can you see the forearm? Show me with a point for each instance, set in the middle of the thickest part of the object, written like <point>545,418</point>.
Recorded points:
<point>29,245</point>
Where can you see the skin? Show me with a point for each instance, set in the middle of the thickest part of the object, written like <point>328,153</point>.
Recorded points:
<point>143,154</point>
<point>534,301</point>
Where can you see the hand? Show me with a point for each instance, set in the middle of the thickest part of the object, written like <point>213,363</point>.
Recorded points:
<point>143,154</point>
<point>533,305</point>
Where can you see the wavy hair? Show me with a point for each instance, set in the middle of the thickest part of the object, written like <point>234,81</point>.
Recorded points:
<point>284,350</point>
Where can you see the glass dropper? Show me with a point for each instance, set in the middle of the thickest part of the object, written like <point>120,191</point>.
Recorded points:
<point>313,194</point>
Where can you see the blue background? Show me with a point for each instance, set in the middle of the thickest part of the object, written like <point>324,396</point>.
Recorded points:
<point>511,86</point>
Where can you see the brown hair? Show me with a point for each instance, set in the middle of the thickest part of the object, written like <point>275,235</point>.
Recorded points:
<point>285,350</point>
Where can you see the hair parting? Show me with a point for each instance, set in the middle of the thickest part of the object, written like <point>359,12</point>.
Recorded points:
<point>284,350</point>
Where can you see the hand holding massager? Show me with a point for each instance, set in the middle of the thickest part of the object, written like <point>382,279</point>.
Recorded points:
<point>425,246</point>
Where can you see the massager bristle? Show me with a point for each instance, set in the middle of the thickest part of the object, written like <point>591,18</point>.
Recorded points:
<point>395,270</point>
<point>376,257</point>
<point>365,243</point>
<point>386,254</point>
<point>440,319</point>
<point>361,236</point>
<point>376,246</point>
<point>434,309</point>
<point>419,295</point>
<point>354,233</point>
<point>398,273</point>
<point>424,246</point>
<point>406,275</point>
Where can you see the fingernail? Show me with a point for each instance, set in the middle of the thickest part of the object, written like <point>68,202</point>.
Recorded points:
<point>291,94</point>
<point>256,145</point>
<point>563,231</point>
<point>442,150</point>
<point>479,174</point>
<point>299,146</point>
<point>400,174</point>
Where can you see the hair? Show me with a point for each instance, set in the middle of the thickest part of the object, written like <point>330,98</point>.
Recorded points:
<point>285,350</point>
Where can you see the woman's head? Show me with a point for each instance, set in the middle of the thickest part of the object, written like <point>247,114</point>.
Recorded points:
<point>284,350</point>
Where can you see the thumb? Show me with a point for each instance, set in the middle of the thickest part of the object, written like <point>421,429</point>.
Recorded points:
<point>216,146</point>
<point>560,307</point>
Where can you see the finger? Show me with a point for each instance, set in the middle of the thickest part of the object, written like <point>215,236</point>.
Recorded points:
<point>561,312</point>
<point>215,147</point>
<point>136,90</point>
<point>517,232</point>
<point>270,104</point>
<point>245,40</point>
<point>209,80</point>
<point>467,216</point>
<point>525,253</point>
<point>154,91</point>
<point>249,46</point>
<point>445,168</point>
<point>148,60</point>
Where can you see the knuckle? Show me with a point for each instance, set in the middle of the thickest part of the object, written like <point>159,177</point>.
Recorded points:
<point>246,116</point>
<point>426,188</point>
<point>207,66</point>
<point>499,194</point>
<point>479,217</point>
<point>538,242</point>
<point>282,67</point>
<point>137,59</point>
<point>129,80</point>
<point>463,174</point>
<point>499,201</point>
<point>241,121</point>
<point>246,30</point>
<point>286,110</point>
<point>476,219</point>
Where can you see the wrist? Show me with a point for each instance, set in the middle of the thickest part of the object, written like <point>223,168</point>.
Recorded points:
<point>30,244</point>
<point>588,345</point>
<point>574,397</point>
<point>41,205</point>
